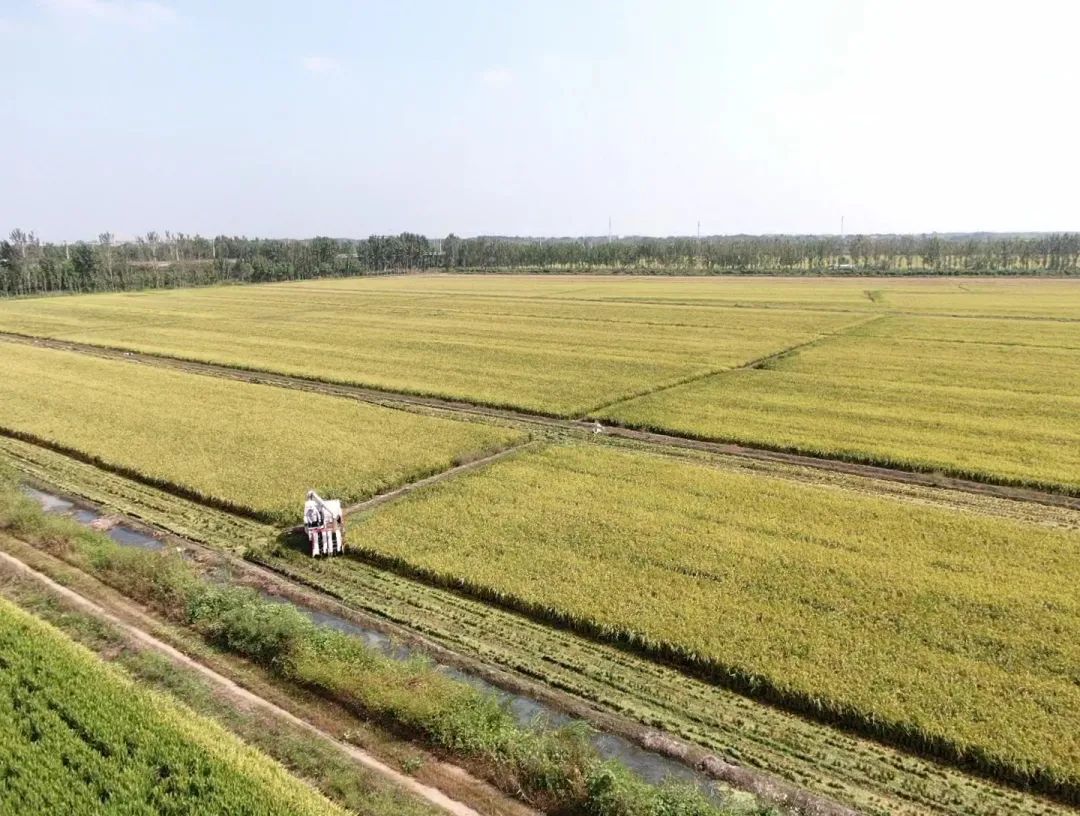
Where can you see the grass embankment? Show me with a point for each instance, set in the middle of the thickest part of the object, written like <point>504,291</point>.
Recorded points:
<point>251,448</point>
<point>992,400</point>
<point>314,759</point>
<point>937,630</point>
<point>77,736</point>
<point>554,770</point>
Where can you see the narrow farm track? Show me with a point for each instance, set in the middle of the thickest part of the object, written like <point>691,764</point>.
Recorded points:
<point>425,792</point>
<point>759,362</point>
<point>578,427</point>
<point>406,489</point>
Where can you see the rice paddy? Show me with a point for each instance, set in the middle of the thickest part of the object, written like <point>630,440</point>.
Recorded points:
<point>253,448</point>
<point>994,400</point>
<point>550,356</point>
<point>936,629</point>
<point>873,777</point>
<point>937,626</point>
<point>972,377</point>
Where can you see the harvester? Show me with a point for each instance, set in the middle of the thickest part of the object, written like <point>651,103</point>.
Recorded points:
<point>324,525</point>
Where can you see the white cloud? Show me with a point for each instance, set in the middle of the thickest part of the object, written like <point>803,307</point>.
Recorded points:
<point>142,14</point>
<point>497,77</point>
<point>321,65</point>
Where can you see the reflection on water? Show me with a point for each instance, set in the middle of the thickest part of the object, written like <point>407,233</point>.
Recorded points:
<point>117,531</point>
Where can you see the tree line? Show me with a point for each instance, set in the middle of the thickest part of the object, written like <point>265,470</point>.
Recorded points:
<point>29,266</point>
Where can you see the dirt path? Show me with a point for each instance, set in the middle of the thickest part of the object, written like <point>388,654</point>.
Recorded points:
<point>406,489</point>
<point>429,794</point>
<point>578,427</point>
<point>759,362</point>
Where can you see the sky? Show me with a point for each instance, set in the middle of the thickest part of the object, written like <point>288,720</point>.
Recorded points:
<point>290,119</point>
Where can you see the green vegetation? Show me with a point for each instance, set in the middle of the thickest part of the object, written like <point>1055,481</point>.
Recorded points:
<point>315,760</point>
<point>253,448</point>
<point>554,770</point>
<point>28,266</point>
<point>987,399</point>
<point>79,737</point>
<point>908,623</point>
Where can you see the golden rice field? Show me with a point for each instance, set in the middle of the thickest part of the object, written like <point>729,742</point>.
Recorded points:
<point>552,356</point>
<point>975,377</point>
<point>934,628</point>
<point>1004,297</point>
<point>989,399</point>
<point>252,447</point>
<point>77,736</point>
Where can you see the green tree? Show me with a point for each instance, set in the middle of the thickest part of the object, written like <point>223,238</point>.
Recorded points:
<point>451,248</point>
<point>84,267</point>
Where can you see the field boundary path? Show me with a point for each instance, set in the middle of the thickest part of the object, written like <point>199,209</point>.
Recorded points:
<point>757,362</point>
<point>585,428</point>
<point>425,792</point>
<point>450,473</point>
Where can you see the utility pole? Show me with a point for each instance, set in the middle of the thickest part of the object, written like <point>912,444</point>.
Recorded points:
<point>609,229</point>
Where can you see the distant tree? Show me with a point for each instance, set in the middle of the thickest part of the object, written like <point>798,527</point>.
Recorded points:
<point>20,239</point>
<point>84,267</point>
<point>105,239</point>
<point>451,247</point>
<point>932,252</point>
<point>11,262</point>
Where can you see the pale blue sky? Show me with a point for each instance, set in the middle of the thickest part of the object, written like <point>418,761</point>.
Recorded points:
<point>347,118</point>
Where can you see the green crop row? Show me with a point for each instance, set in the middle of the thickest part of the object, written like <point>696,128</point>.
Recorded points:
<point>79,737</point>
<point>938,630</point>
<point>252,448</point>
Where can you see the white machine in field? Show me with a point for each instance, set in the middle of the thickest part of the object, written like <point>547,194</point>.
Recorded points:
<point>324,525</point>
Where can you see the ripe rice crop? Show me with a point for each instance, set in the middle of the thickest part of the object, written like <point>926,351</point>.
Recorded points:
<point>970,376</point>
<point>250,447</point>
<point>876,779</point>
<point>557,356</point>
<point>989,399</point>
<point>76,736</point>
<point>940,630</point>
